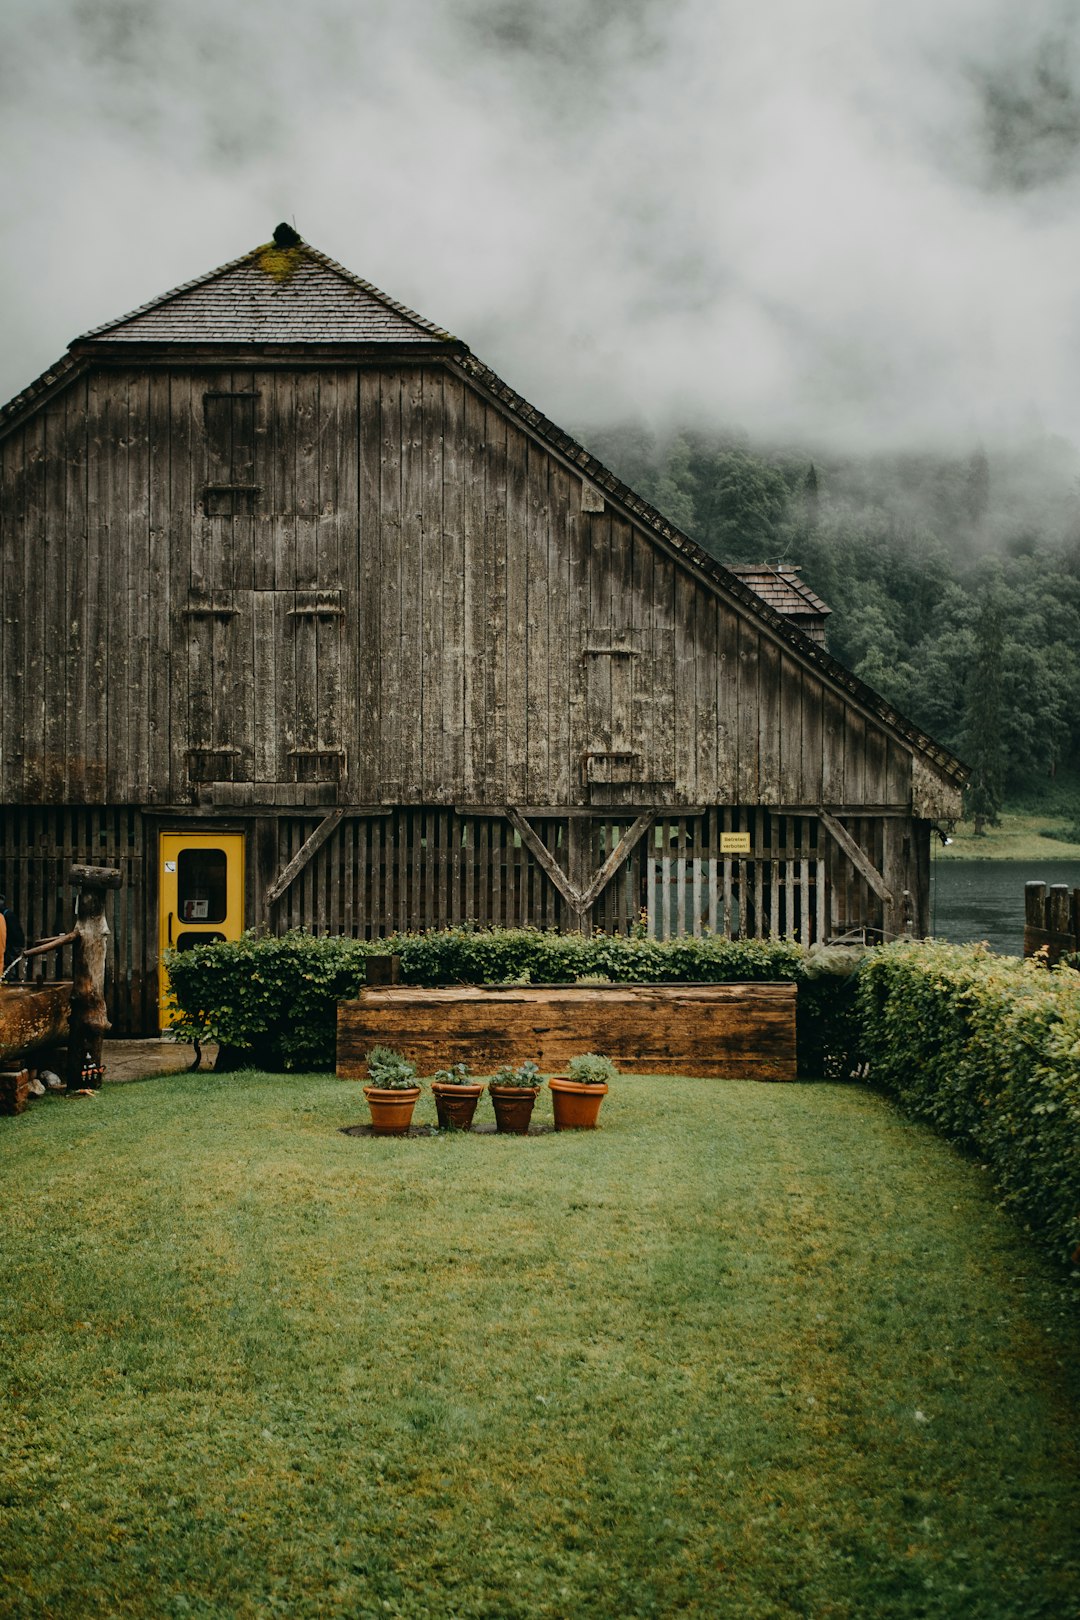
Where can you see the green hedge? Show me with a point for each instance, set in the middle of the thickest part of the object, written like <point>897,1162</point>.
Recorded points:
<point>273,1001</point>
<point>987,1048</point>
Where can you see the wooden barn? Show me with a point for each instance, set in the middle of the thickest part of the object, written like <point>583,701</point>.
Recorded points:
<point>310,620</point>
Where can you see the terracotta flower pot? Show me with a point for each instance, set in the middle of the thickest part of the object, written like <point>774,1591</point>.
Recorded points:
<point>391,1111</point>
<point>513,1108</point>
<point>575,1106</point>
<point>456,1105</point>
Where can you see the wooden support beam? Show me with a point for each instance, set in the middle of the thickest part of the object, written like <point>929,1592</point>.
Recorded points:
<point>858,857</point>
<point>532,840</point>
<point>580,900</point>
<point>290,873</point>
<point>56,944</point>
<point>618,856</point>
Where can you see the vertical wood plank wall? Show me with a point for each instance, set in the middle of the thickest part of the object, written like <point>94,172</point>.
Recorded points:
<point>417,606</point>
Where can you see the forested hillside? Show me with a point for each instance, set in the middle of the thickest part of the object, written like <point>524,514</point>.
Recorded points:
<point>954,582</point>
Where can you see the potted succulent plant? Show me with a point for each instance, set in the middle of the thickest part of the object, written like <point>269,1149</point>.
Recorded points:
<point>513,1093</point>
<point>576,1096</point>
<point>456,1096</point>
<point>391,1091</point>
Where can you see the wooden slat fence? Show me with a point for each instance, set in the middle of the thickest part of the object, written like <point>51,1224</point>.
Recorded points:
<point>37,849</point>
<point>433,868</point>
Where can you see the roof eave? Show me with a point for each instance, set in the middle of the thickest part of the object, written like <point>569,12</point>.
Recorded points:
<point>241,349</point>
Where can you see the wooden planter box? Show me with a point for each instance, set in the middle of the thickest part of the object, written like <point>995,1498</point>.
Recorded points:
<point>32,1015</point>
<point>741,1031</point>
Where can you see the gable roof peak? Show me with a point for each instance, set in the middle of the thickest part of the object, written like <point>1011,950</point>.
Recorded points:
<point>283,291</point>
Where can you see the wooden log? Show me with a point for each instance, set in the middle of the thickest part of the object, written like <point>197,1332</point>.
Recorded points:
<point>32,1016</point>
<point>47,945</point>
<point>89,1021</point>
<point>741,1031</point>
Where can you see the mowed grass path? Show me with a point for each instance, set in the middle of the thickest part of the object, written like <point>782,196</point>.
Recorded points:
<point>749,1350</point>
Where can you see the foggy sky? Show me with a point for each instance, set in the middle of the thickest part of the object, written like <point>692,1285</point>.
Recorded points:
<point>851,223</point>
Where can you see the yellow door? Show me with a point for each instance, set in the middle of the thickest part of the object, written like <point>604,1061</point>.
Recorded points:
<point>201,897</point>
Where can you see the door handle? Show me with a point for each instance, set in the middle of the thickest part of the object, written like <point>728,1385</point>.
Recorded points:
<point>170,927</point>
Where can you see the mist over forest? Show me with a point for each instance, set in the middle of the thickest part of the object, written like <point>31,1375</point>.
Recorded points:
<point>954,580</point>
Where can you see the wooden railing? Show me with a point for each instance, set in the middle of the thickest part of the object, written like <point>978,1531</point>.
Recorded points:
<point>1051,920</point>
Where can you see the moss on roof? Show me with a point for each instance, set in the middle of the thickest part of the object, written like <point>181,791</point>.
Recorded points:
<point>279,263</point>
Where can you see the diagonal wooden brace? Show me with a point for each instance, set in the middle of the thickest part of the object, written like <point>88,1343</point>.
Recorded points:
<point>290,873</point>
<point>856,855</point>
<point>580,900</point>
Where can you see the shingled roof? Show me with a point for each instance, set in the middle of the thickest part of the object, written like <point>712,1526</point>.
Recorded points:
<point>781,587</point>
<point>272,295</point>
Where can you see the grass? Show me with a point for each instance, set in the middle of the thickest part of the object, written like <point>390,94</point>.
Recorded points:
<point>1020,836</point>
<point>767,1352</point>
<point>1044,804</point>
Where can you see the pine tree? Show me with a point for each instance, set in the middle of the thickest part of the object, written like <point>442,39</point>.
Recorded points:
<point>810,493</point>
<point>983,718</point>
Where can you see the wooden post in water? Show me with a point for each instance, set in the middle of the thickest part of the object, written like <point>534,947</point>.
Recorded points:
<point>88,1020</point>
<point>1059,921</point>
<point>1034,918</point>
<point>1051,921</point>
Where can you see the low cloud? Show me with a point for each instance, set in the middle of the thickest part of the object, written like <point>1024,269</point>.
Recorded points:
<point>849,224</point>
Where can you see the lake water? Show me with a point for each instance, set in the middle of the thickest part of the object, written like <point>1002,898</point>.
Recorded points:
<point>972,900</point>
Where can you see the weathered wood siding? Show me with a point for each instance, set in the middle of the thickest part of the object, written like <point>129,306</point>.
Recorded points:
<point>737,1031</point>
<point>372,586</point>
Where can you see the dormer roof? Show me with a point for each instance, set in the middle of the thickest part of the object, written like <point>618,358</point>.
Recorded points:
<point>779,585</point>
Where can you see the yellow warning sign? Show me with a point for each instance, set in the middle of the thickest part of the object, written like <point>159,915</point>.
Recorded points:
<point>734,843</point>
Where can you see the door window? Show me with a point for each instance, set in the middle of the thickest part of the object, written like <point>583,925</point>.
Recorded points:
<point>202,891</point>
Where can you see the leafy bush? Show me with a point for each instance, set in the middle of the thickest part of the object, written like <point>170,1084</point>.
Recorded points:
<point>526,1076</point>
<point>272,1001</point>
<point>986,1048</point>
<point>590,1069</point>
<point>1064,835</point>
<point>389,1070</point>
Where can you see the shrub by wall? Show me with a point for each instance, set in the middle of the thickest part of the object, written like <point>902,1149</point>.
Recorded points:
<point>268,1001</point>
<point>987,1048</point>
<point>272,1001</point>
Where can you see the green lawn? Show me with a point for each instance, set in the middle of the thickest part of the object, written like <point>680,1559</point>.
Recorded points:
<point>768,1352</point>
<point>1020,836</point>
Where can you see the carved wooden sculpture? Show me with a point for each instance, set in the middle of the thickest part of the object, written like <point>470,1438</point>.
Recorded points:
<point>89,1020</point>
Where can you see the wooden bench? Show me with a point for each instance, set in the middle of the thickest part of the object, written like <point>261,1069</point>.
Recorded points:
<point>741,1031</point>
